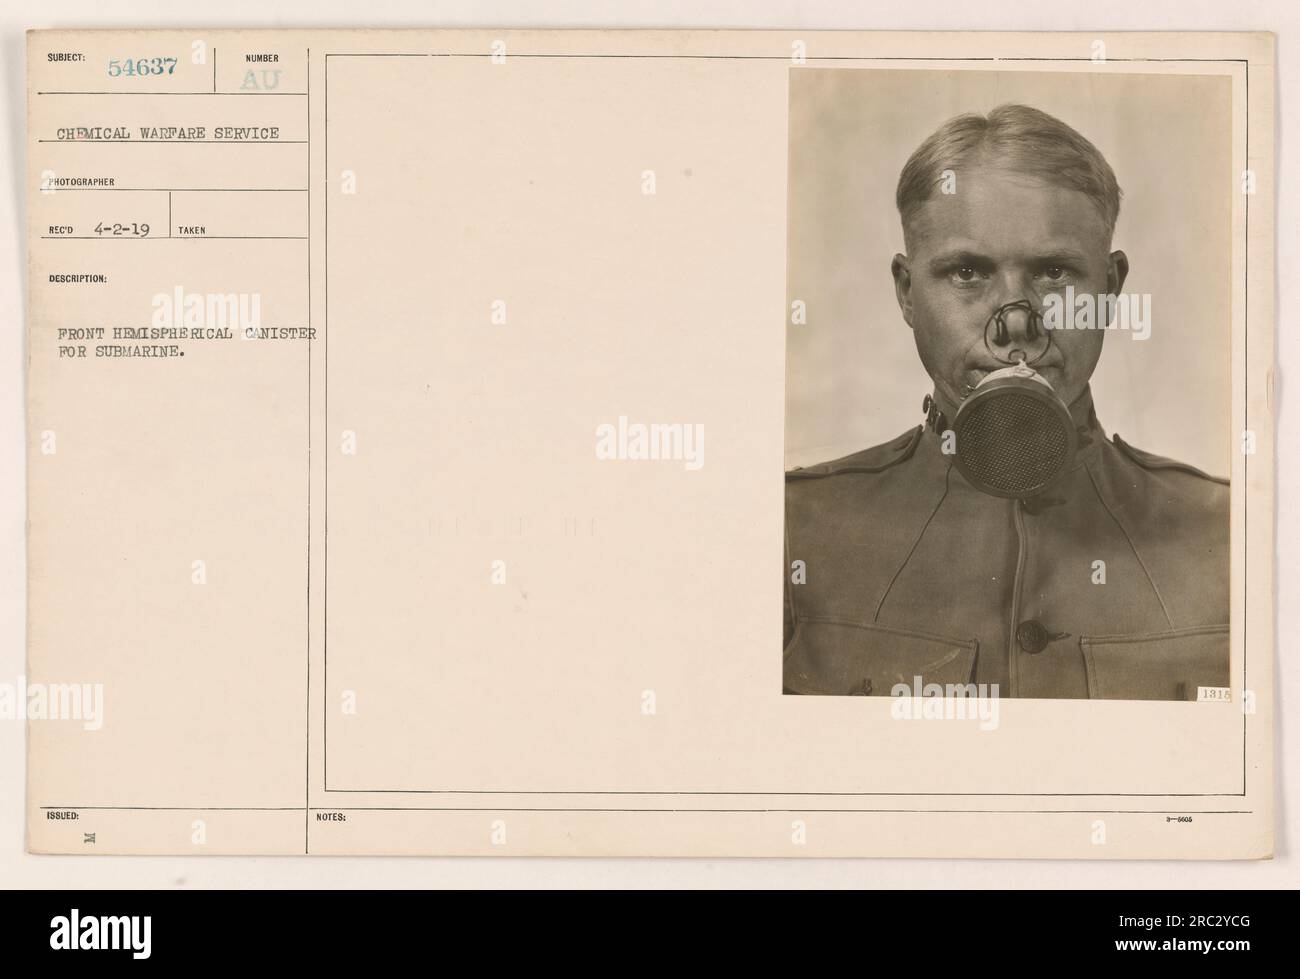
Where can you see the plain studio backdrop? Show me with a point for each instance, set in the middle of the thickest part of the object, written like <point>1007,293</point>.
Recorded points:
<point>853,378</point>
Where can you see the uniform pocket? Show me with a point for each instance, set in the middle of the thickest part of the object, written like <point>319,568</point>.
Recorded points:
<point>841,657</point>
<point>1156,666</point>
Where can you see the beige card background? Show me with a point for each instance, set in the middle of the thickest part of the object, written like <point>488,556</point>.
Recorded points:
<point>508,719</point>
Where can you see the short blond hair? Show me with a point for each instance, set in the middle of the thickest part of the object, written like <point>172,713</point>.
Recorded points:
<point>1017,138</point>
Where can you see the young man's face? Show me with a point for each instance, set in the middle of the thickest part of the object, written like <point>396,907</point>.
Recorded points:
<point>1000,238</point>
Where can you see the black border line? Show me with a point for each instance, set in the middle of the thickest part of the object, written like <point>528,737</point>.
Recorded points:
<point>1245,456</point>
<point>306,797</point>
<point>966,812</point>
<point>866,58</point>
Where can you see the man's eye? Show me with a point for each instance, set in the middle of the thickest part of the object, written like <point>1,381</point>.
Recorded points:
<point>1054,273</point>
<point>965,273</point>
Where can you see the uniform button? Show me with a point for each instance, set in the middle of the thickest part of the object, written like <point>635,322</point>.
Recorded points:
<point>1032,636</point>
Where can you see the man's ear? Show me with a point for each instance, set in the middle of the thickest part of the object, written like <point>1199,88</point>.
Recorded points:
<point>1116,272</point>
<point>902,273</point>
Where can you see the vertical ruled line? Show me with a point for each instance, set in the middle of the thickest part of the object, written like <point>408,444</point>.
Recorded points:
<point>306,800</point>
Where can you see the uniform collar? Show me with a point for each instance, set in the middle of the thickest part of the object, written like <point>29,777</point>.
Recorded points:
<point>1091,434</point>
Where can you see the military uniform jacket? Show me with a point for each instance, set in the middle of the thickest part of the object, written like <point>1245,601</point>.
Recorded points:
<point>1113,583</point>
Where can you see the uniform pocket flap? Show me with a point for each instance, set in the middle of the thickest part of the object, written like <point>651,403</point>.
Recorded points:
<point>839,656</point>
<point>1157,666</point>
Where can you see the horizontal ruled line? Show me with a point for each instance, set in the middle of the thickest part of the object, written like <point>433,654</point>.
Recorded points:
<point>176,238</point>
<point>1010,812</point>
<point>181,808</point>
<point>733,792</point>
<point>180,142</point>
<point>972,812</point>
<point>756,57</point>
<point>173,93</point>
<point>191,190</point>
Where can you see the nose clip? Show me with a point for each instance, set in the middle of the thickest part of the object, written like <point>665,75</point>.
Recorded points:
<point>1032,330</point>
